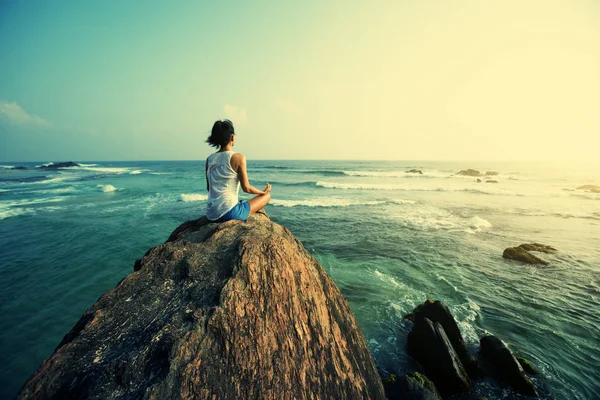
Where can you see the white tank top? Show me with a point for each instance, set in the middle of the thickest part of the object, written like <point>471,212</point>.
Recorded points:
<point>223,184</point>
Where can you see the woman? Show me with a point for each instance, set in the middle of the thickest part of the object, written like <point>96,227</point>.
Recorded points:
<point>225,172</point>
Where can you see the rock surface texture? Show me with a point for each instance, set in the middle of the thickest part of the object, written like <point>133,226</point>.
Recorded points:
<point>519,254</point>
<point>237,310</point>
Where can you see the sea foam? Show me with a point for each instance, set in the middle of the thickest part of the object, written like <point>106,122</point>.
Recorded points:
<point>189,197</point>
<point>107,188</point>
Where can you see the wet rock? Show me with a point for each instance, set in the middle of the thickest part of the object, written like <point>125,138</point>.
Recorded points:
<point>527,366</point>
<point>60,165</point>
<point>469,172</point>
<point>414,171</point>
<point>437,311</point>
<point>410,386</point>
<point>491,181</point>
<point>478,180</point>
<point>506,367</point>
<point>235,310</point>
<point>542,248</point>
<point>518,254</point>
<point>430,346</point>
<point>491,173</point>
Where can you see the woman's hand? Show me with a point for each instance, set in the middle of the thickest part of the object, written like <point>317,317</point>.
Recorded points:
<point>267,188</point>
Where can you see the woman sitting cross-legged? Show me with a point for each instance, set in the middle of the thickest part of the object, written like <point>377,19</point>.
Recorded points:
<point>225,173</point>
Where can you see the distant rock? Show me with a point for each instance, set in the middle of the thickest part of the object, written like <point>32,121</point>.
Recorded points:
<point>469,172</point>
<point>60,165</point>
<point>20,167</point>
<point>589,187</point>
<point>430,346</point>
<point>491,181</point>
<point>410,386</point>
<point>491,173</point>
<point>414,171</point>
<point>506,366</point>
<point>519,254</point>
<point>478,180</point>
<point>234,310</point>
<point>538,247</point>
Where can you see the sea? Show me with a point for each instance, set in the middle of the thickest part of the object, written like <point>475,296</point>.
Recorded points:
<point>389,238</point>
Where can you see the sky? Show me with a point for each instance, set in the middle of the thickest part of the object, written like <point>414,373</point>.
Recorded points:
<point>397,80</point>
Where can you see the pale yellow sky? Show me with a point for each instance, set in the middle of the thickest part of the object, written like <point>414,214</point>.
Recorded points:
<point>412,79</point>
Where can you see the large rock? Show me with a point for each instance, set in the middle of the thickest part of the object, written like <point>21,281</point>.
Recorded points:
<point>519,254</point>
<point>430,346</point>
<point>238,310</point>
<point>436,311</point>
<point>410,386</point>
<point>542,248</point>
<point>505,365</point>
<point>594,188</point>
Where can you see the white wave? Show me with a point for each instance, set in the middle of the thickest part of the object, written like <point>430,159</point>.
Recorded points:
<point>108,170</point>
<point>14,208</point>
<point>162,173</point>
<point>107,188</point>
<point>324,202</point>
<point>45,165</point>
<point>137,172</point>
<point>60,178</point>
<point>477,223</point>
<point>397,174</point>
<point>443,279</point>
<point>87,165</point>
<point>388,279</point>
<point>7,166</point>
<point>359,186</point>
<point>189,197</point>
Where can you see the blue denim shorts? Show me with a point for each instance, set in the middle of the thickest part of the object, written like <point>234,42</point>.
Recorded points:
<point>240,211</point>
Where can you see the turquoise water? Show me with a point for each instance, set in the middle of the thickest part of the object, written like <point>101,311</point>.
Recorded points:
<point>389,240</point>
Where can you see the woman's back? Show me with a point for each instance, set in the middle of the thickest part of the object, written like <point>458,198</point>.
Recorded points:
<point>224,184</point>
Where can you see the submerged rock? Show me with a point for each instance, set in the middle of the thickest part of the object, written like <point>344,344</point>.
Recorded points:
<point>430,346</point>
<point>232,311</point>
<point>410,386</point>
<point>491,181</point>
<point>519,254</point>
<point>491,173</point>
<point>60,165</point>
<point>506,366</point>
<point>414,171</point>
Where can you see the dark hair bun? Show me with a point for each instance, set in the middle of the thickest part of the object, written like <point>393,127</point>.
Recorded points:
<point>221,133</point>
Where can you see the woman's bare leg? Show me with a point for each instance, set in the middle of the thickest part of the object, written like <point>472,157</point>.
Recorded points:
<point>258,202</point>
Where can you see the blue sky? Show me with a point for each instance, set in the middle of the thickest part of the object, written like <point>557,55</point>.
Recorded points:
<point>125,80</point>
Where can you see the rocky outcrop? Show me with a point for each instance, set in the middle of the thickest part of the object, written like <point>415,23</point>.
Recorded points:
<point>491,173</point>
<point>410,386</point>
<point>491,181</point>
<point>430,346</point>
<point>506,366</point>
<point>414,171</point>
<point>60,165</point>
<point>437,311</point>
<point>522,253</point>
<point>237,310</point>
<point>589,187</point>
<point>469,172</point>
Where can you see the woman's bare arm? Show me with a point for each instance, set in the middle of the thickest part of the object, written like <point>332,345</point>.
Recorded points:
<point>239,161</point>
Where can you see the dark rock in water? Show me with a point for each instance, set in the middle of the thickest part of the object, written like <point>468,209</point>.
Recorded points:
<point>478,180</point>
<point>589,187</point>
<point>518,254</point>
<point>542,248</point>
<point>236,310</point>
<point>411,386</point>
<point>506,366</point>
<point>527,366</point>
<point>469,172</point>
<point>491,173</point>
<point>414,171</point>
<point>60,165</point>
<point>20,167</point>
<point>429,345</point>
<point>437,311</point>
<point>491,181</point>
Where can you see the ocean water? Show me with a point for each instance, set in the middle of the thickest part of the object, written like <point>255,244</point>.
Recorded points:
<point>389,239</point>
